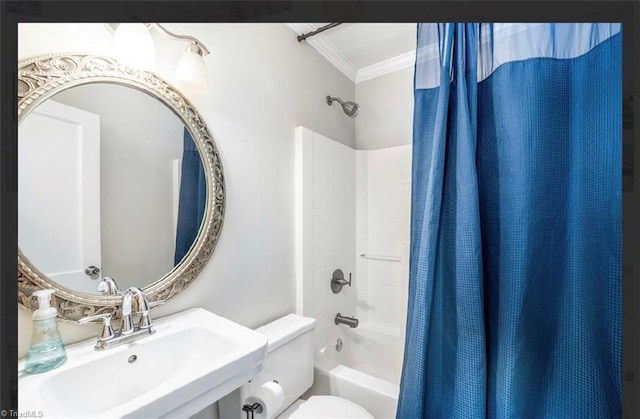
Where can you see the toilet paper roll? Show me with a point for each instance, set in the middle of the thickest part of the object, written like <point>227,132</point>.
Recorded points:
<point>270,396</point>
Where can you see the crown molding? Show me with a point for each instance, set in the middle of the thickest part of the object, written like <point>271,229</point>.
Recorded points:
<point>326,49</point>
<point>408,59</point>
<point>342,63</point>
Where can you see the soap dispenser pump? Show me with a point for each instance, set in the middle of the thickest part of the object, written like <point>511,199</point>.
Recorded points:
<point>46,351</point>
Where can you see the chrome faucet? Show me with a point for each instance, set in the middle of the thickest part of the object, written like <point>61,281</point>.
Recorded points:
<point>134,302</point>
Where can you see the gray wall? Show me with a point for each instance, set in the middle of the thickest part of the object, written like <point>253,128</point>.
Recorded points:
<point>386,110</point>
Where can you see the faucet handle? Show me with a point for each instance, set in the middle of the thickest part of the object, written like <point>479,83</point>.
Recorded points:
<point>107,330</point>
<point>338,281</point>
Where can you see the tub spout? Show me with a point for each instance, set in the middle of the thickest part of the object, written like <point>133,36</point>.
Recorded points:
<point>352,322</point>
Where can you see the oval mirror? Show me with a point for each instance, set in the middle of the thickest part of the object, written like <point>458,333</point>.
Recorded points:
<point>112,183</point>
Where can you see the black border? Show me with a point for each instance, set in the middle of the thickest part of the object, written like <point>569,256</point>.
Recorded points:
<point>13,12</point>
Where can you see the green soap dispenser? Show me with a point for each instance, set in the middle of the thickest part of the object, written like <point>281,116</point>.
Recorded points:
<point>46,351</point>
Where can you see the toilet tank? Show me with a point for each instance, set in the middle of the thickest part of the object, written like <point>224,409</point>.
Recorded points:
<point>289,359</point>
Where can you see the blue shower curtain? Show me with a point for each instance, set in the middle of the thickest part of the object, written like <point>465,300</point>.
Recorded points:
<point>516,223</point>
<point>192,200</point>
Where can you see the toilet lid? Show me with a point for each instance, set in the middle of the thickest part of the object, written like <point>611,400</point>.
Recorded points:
<point>329,407</point>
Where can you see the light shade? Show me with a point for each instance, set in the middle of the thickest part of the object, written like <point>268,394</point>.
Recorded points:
<point>133,46</point>
<point>191,72</point>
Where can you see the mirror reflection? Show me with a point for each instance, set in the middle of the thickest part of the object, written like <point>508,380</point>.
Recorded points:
<point>110,185</point>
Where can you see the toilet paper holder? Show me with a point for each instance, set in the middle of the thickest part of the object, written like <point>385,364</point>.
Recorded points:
<point>253,408</point>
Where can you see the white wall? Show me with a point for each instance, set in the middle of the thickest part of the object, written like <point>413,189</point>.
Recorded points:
<point>139,139</point>
<point>386,110</point>
<point>262,83</point>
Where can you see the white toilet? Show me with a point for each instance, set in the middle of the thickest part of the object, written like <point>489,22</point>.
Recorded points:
<point>289,361</point>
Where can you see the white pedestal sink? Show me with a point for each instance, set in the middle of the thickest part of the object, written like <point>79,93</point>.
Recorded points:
<point>194,358</point>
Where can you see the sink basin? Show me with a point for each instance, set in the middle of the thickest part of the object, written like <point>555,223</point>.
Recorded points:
<point>194,358</point>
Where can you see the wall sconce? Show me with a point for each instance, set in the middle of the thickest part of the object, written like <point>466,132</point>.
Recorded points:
<point>133,46</point>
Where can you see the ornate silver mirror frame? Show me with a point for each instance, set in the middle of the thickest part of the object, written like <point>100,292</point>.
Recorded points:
<point>41,77</point>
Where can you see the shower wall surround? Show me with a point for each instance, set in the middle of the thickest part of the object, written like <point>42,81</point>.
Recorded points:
<point>325,228</point>
<point>383,184</point>
<point>352,201</point>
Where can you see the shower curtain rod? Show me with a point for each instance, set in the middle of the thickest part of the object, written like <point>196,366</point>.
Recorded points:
<point>317,31</point>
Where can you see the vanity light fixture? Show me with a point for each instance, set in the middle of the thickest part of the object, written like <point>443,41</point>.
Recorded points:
<point>133,46</point>
<point>190,70</point>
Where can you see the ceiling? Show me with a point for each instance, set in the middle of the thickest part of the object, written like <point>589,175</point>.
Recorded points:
<point>363,51</point>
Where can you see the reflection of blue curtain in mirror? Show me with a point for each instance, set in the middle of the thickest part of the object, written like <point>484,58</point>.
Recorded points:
<point>193,195</point>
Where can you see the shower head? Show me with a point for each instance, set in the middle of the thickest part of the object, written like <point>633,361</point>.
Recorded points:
<point>350,108</point>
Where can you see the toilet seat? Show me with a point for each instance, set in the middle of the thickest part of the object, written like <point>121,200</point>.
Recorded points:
<point>323,407</point>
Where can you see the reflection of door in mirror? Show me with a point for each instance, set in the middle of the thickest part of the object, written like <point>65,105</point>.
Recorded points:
<point>59,204</point>
<point>145,185</point>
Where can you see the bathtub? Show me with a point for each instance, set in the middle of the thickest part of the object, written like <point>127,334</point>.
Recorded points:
<point>366,370</point>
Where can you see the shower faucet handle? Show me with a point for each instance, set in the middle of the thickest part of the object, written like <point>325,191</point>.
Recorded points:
<point>338,281</point>
<point>343,281</point>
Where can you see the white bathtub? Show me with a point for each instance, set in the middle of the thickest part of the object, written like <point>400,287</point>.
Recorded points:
<point>366,370</point>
